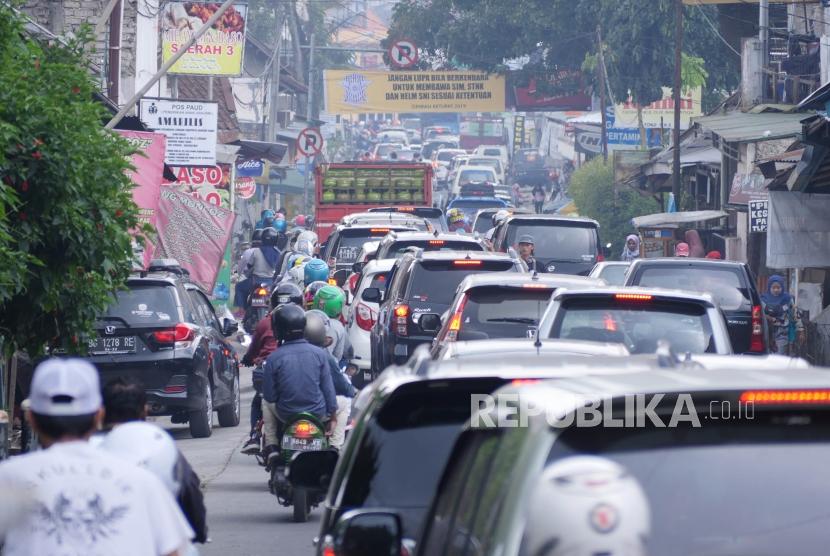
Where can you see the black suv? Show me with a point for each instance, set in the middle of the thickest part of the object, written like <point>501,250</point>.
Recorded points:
<point>423,283</point>
<point>163,331</point>
<point>345,242</point>
<point>563,245</point>
<point>730,283</point>
<point>396,244</point>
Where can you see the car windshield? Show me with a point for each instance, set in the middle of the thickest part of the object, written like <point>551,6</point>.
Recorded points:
<point>725,285</point>
<point>637,324</point>
<point>471,207</point>
<point>614,274</point>
<point>397,249</point>
<point>556,241</point>
<point>745,486</point>
<point>468,176</point>
<point>495,164</point>
<point>492,152</point>
<point>384,150</point>
<point>484,222</point>
<point>436,282</point>
<point>446,156</point>
<point>496,312</point>
<point>143,305</point>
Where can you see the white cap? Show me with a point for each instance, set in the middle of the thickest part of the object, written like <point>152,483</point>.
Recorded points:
<point>65,387</point>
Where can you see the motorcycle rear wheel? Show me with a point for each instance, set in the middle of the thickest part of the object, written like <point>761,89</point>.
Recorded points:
<point>301,505</point>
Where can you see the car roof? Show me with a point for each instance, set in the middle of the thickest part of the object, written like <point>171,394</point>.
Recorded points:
<point>519,279</point>
<point>551,218</point>
<point>447,236</point>
<point>462,254</point>
<point>662,293</point>
<point>476,168</point>
<point>510,347</point>
<point>368,226</point>
<point>686,261</point>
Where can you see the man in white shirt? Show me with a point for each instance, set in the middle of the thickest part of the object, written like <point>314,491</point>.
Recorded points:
<point>84,501</point>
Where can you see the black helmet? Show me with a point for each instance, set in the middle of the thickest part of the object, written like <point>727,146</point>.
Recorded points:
<point>270,236</point>
<point>288,322</point>
<point>286,292</point>
<point>257,235</point>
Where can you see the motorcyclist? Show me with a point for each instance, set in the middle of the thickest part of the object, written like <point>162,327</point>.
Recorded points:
<point>498,218</point>
<point>266,219</point>
<point>587,505</point>
<point>456,221</point>
<point>330,300</point>
<point>244,286</point>
<point>281,226</point>
<point>297,377</point>
<point>262,345</point>
<point>263,262</point>
<point>315,270</point>
<point>310,291</point>
<point>318,332</point>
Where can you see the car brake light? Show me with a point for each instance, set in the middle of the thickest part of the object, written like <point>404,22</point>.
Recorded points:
<point>436,242</point>
<point>455,322</point>
<point>379,231</point>
<point>771,397</point>
<point>406,209</point>
<point>401,316</point>
<point>536,286</point>
<point>180,333</point>
<point>632,297</point>
<point>523,381</point>
<point>304,429</point>
<point>364,316</point>
<point>466,262</point>
<point>756,342</point>
<point>600,258</point>
<point>175,389</point>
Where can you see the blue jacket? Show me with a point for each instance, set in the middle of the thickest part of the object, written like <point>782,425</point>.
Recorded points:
<point>298,379</point>
<point>342,385</point>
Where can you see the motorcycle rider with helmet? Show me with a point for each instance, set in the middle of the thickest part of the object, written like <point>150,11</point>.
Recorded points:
<point>266,219</point>
<point>262,345</point>
<point>331,300</point>
<point>263,262</point>
<point>316,270</point>
<point>281,226</point>
<point>310,291</point>
<point>297,377</point>
<point>456,222</point>
<point>244,286</point>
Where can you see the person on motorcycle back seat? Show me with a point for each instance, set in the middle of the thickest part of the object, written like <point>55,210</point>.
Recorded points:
<point>263,263</point>
<point>262,345</point>
<point>297,377</point>
<point>266,219</point>
<point>281,226</point>
<point>316,270</point>
<point>331,300</point>
<point>310,291</point>
<point>244,287</point>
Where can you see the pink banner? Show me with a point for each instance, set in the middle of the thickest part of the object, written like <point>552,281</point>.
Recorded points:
<point>195,233</point>
<point>147,177</point>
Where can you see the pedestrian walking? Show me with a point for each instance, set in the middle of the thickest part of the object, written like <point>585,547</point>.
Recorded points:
<point>538,198</point>
<point>85,500</point>
<point>786,326</point>
<point>631,250</point>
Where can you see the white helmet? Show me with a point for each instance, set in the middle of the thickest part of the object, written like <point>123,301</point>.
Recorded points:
<point>148,446</point>
<point>306,243</point>
<point>500,216</point>
<point>587,505</point>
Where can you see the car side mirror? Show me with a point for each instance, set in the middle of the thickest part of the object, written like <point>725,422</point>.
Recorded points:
<point>362,532</point>
<point>340,277</point>
<point>357,267</point>
<point>372,295</point>
<point>229,327</point>
<point>430,322</point>
<point>312,470</point>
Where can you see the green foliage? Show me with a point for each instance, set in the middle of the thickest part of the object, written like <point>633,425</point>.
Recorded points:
<point>693,71</point>
<point>65,202</point>
<point>592,189</point>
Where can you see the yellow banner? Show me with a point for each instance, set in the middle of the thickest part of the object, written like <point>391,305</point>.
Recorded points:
<point>217,52</point>
<point>360,92</point>
<point>661,113</point>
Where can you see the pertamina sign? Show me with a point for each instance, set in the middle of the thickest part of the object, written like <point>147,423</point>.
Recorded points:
<point>190,127</point>
<point>356,92</point>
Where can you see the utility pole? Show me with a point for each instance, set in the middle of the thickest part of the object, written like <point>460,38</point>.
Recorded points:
<point>275,76</point>
<point>602,96</point>
<point>308,114</point>
<point>678,60</point>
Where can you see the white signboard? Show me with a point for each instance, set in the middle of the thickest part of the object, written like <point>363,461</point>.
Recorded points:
<point>190,127</point>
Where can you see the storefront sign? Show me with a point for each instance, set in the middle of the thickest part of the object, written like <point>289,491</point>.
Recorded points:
<point>217,52</point>
<point>195,233</point>
<point>758,216</point>
<point>190,126</point>
<point>245,188</point>
<point>360,92</point>
<point>252,168</point>
<point>208,183</point>
<point>565,91</point>
<point>518,132</point>
<point>661,113</point>
<point>748,187</point>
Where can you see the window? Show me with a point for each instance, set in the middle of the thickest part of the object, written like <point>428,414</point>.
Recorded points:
<point>555,241</point>
<point>144,305</point>
<point>207,317</point>
<point>397,249</point>
<point>498,312</point>
<point>725,285</point>
<point>468,176</point>
<point>436,283</point>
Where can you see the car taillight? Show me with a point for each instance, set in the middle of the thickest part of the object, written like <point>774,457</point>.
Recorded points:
<point>632,297</point>
<point>379,231</point>
<point>400,321</point>
<point>756,342</point>
<point>455,322</point>
<point>436,242</point>
<point>600,258</point>
<point>801,397</point>
<point>304,429</point>
<point>364,316</point>
<point>180,333</point>
<point>466,262</point>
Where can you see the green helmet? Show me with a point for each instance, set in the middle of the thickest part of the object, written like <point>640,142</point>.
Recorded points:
<point>330,300</point>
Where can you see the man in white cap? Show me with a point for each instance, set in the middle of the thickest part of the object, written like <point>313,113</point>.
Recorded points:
<point>85,501</point>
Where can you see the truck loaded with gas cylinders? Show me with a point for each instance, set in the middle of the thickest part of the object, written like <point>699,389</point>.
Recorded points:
<point>347,187</point>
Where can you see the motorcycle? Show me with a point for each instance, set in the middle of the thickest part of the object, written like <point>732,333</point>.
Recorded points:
<point>256,307</point>
<point>303,432</point>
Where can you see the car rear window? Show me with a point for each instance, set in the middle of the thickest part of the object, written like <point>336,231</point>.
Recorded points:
<point>397,249</point>
<point>436,281</point>
<point>142,305</point>
<point>614,274</point>
<point>446,156</point>
<point>471,207</point>
<point>725,285</point>
<point>556,240</point>
<point>497,312</point>
<point>750,485</point>
<point>468,176</point>
<point>492,152</point>
<point>637,324</point>
<point>350,242</point>
<point>495,164</point>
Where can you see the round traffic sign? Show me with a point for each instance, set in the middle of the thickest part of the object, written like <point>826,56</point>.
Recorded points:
<point>245,188</point>
<point>403,53</point>
<point>310,141</point>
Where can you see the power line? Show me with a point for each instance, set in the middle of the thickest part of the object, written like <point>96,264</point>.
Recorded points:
<point>715,30</point>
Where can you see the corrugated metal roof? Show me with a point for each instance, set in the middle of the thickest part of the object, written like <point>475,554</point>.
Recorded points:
<point>738,127</point>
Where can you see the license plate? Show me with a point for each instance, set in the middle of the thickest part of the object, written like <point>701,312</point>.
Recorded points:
<point>347,254</point>
<point>302,444</point>
<point>259,302</point>
<point>118,344</point>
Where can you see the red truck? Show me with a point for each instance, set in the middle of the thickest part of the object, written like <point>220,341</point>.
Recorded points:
<point>347,187</point>
<point>481,130</point>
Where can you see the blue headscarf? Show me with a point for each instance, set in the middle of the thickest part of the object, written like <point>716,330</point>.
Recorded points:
<point>271,254</point>
<point>783,298</point>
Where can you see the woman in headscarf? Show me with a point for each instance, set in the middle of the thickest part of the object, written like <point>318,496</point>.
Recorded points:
<point>782,315</point>
<point>631,249</point>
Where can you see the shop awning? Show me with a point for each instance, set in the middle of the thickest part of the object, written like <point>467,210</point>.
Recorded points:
<point>273,152</point>
<point>669,219</point>
<point>738,127</point>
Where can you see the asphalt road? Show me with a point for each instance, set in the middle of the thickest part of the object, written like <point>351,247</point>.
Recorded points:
<point>244,519</point>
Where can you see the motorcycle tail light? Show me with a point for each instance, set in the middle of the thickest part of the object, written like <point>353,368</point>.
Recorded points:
<point>262,292</point>
<point>305,429</point>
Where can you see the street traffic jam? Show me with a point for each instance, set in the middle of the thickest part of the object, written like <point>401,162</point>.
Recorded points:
<point>544,304</point>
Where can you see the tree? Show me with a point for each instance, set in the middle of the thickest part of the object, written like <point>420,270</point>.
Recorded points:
<point>592,189</point>
<point>66,205</point>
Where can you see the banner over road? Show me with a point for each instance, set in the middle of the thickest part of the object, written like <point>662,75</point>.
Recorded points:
<point>359,92</point>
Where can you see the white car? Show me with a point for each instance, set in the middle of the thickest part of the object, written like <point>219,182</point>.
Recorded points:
<point>492,161</point>
<point>393,135</point>
<point>468,174</point>
<point>383,150</point>
<point>363,314</point>
<point>494,150</point>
